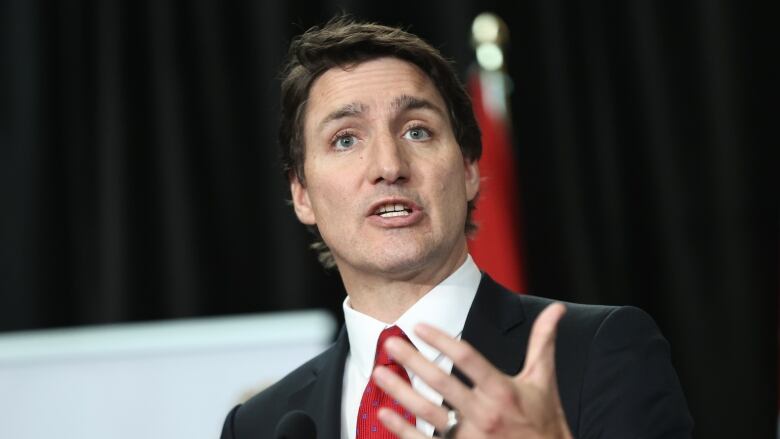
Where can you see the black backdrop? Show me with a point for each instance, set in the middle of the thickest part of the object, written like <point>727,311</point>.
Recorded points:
<point>139,175</point>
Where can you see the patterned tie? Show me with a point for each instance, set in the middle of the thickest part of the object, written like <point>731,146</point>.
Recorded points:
<point>374,398</point>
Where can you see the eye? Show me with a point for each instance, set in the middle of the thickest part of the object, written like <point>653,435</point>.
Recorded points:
<point>344,141</point>
<point>417,133</point>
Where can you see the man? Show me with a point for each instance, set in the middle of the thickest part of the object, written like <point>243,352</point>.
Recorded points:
<point>381,149</point>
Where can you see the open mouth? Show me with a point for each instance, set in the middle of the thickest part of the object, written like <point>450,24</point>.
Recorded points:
<point>392,210</point>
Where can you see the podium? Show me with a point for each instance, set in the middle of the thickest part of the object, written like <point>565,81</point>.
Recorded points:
<point>172,379</point>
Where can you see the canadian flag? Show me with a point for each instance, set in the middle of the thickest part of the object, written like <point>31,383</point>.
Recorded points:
<point>497,245</point>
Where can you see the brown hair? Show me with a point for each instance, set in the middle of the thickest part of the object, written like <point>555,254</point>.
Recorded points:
<point>341,42</point>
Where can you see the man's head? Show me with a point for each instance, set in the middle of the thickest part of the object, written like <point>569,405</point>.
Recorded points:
<point>340,51</point>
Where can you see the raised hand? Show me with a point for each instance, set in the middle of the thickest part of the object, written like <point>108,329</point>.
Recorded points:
<point>524,406</point>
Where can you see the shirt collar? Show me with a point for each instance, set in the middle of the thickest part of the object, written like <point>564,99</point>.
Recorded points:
<point>445,307</point>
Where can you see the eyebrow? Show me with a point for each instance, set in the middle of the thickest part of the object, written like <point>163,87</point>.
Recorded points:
<point>405,103</point>
<point>349,110</point>
<point>399,105</point>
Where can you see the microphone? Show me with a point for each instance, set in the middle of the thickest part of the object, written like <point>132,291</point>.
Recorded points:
<point>296,425</point>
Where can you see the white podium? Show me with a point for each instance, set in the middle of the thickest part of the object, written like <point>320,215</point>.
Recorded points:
<point>174,379</point>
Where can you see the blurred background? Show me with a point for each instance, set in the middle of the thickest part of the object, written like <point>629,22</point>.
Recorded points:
<point>140,182</point>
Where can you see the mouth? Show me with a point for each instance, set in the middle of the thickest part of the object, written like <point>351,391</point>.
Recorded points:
<point>393,210</point>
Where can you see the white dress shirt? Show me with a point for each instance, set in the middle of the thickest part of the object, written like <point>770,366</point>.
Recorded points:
<point>445,307</point>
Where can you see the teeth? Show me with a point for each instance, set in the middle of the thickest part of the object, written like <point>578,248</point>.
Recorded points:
<point>392,210</point>
<point>394,214</point>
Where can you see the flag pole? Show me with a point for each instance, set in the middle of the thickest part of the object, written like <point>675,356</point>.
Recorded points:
<point>497,245</point>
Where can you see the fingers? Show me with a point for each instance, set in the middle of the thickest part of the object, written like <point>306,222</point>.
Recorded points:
<point>455,392</point>
<point>412,401</point>
<point>541,343</point>
<point>398,425</point>
<point>528,400</point>
<point>467,359</point>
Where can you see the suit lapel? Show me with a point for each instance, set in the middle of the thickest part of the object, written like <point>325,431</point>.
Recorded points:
<point>321,396</point>
<point>495,327</point>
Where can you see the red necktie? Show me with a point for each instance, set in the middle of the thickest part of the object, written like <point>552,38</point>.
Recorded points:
<point>374,398</point>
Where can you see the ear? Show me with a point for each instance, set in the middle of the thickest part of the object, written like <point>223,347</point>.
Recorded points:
<point>471,172</point>
<point>301,202</point>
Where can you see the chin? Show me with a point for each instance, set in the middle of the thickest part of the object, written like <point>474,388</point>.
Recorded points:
<point>389,263</point>
<point>408,263</point>
<point>396,258</point>
<point>401,269</point>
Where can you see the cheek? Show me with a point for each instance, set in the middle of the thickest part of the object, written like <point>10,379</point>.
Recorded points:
<point>450,188</point>
<point>330,200</point>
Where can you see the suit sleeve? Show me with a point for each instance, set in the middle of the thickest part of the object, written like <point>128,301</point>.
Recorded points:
<point>630,389</point>
<point>227,427</point>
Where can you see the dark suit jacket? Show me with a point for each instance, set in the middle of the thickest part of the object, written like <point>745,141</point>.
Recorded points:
<point>613,365</point>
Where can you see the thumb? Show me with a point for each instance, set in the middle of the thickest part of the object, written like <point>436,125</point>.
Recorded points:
<point>540,358</point>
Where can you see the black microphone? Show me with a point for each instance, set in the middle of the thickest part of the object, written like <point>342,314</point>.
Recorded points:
<point>296,425</point>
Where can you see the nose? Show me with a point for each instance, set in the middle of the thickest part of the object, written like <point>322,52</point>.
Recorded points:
<point>389,161</point>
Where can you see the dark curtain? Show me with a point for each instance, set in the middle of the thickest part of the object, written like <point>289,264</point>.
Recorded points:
<point>139,173</point>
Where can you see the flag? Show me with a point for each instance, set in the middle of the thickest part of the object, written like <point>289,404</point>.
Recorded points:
<point>496,247</point>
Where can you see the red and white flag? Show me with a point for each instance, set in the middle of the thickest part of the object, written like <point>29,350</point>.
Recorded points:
<point>497,245</point>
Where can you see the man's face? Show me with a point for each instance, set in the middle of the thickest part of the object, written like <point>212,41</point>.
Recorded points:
<point>385,181</point>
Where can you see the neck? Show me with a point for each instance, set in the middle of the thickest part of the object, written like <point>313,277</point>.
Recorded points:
<point>386,298</point>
